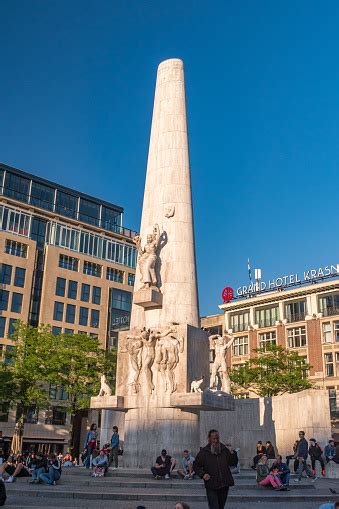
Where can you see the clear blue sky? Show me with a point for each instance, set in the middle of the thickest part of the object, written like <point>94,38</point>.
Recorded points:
<point>76,92</point>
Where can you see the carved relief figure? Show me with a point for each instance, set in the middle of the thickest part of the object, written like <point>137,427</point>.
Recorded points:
<point>196,384</point>
<point>148,257</point>
<point>167,358</point>
<point>220,344</point>
<point>105,389</point>
<point>148,354</point>
<point>134,348</point>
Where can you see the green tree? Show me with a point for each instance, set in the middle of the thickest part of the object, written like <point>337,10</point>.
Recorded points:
<point>38,359</point>
<point>272,371</point>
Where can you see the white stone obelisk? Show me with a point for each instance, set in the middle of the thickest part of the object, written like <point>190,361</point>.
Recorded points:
<point>168,203</point>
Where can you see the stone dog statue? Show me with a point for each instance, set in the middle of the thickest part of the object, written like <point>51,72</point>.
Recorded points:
<point>196,384</point>
<point>105,389</point>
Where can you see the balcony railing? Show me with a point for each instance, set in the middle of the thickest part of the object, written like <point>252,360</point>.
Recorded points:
<point>296,317</point>
<point>330,311</point>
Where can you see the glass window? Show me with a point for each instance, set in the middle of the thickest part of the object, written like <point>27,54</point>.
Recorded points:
<point>16,221</point>
<point>2,326</point>
<point>329,366</point>
<point>19,278</point>
<point>1,180</point>
<point>66,204</point>
<point>296,337</point>
<point>38,231</point>
<point>96,295</point>
<point>92,269</point>
<point>56,331</point>
<point>89,212</point>
<point>16,302</point>
<point>240,346</point>
<point>69,331</point>
<point>332,396</point>
<point>93,335</point>
<point>85,289</point>
<point>58,311</point>
<point>72,289</point>
<point>329,305</point>
<point>131,279</point>
<point>11,326</point>
<point>336,331</point>
<point>70,313</point>
<point>267,317</point>
<point>110,218</point>
<point>60,287</point>
<point>121,299</point>
<point>327,332</point>
<point>296,311</point>
<point>95,318</point>
<point>4,296</point>
<point>16,187</point>
<point>115,275</point>
<point>5,273</point>
<point>240,321</point>
<point>83,316</point>
<point>16,248</point>
<point>42,196</point>
<point>68,262</point>
<point>267,338</point>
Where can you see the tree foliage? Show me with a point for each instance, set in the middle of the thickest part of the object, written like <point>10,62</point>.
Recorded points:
<point>38,359</point>
<point>272,371</point>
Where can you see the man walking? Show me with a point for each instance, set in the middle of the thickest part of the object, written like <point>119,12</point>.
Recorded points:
<point>113,455</point>
<point>302,454</point>
<point>212,464</point>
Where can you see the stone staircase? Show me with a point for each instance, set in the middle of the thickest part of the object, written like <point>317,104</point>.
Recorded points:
<point>129,488</point>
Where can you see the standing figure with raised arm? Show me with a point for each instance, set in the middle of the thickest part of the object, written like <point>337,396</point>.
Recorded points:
<point>220,344</point>
<point>148,257</point>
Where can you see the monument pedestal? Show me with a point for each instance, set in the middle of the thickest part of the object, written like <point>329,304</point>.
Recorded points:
<point>148,298</point>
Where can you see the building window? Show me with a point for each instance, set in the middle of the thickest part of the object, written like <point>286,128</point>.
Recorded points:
<point>19,278</point>
<point>329,305</point>
<point>240,346</point>
<point>336,331</point>
<point>58,311</point>
<point>70,313</point>
<point>2,326</point>
<point>329,366</point>
<point>92,269</point>
<point>89,212</point>
<point>4,296</point>
<point>16,187</point>
<point>11,326</point>
<point>83,316</point>
<point>15,248</point>
<point>332,396</point>
<point>296,337</point>
<point>110,219</point>
<point>68,262</point>
<point>72,289</point>
<point>56,331</point>
<point>69,331</point>
<point>327,332</point>
<point>16,302</point>
<point>267,338</point>
<point>96,295</point>
<point>5,274</point>
<point>95,318</point>
<point>240,321</point>
<point>131,279</point>
<point>115,275</point>
<point>66,204</point>
<point>60,287</point>
<point>296,311</point>
<point>267,317</point>
<point>122,300</point>
<point>85,289</point>
<point>42,196</point>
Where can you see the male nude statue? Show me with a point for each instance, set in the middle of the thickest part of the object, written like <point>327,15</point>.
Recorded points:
<point>220,345</point>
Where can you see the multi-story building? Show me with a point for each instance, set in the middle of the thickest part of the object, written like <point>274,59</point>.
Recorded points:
<point>300,318</point>
<point>65,260</point>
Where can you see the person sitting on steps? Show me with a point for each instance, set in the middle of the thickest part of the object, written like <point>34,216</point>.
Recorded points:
<point>164,466</point>
<point>265,478</point>
<point>315,452</point>
<point>186,472</point>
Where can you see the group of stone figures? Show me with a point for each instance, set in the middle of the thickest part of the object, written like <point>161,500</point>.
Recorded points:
<point>147,348</point>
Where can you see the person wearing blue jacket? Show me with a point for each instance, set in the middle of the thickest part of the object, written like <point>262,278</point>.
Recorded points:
<point>113,455</point>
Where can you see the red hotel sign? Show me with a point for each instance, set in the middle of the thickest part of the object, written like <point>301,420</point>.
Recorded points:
<point>227,294</point>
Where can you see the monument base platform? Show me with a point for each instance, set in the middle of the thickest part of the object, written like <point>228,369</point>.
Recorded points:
<point>108,403</point>
<point>203,401</point>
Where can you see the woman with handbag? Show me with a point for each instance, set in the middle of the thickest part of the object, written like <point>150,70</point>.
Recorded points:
<point>90,444</point>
